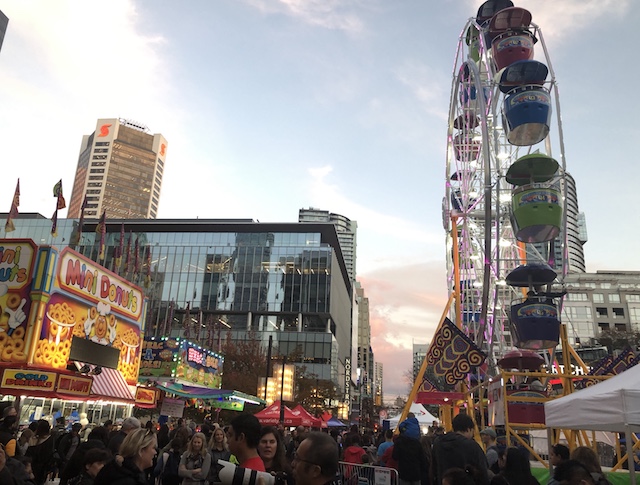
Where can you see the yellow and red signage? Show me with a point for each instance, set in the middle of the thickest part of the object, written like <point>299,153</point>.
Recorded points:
<point>47,297</point>
<point>36,382</point>
<point>146,397</point>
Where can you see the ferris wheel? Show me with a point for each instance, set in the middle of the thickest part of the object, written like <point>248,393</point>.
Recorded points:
<point>504,209</point>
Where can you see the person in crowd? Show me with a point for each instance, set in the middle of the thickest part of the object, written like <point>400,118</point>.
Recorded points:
<point>68,444</point>
<point>23,441</point>
<point>195,462</point>
<point>427,449</point>
<point>558,454</point>
<point>219,451</point>
<point>41,449</point>
<point>572,472</point>
<point>407,451</point>
<point>138,449</point>
<point>458,476</point>
<point>388,442</point>
<point>490,442</point>
<point>163,436</point>
<point>316,460</point>
<point>271,450</point>
<point>457,449</point>
<point>179,425</point>
<point>99,433</point>
<point>588,458</point>
<point>410,427</point>
<point>93,461</point>
<point>243,436</point>
<point>297,436</point>
<point>75,465</point>
<point>183,436</point>
<point>167,469</point>
<point>128,425</point>
<point>353,452</point>
<point>517,469</point>
<point>8,433</point>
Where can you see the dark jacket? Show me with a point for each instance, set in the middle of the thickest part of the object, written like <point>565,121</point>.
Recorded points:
<point>412,463</point>
<point>126,474</point>
<point>453,450</point>
<point>115,441</point>
<point>42,461</point>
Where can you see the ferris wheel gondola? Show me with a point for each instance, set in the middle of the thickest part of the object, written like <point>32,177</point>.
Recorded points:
<point>504,207</point>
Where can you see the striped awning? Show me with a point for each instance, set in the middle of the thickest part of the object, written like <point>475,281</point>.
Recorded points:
<point>109,385</point>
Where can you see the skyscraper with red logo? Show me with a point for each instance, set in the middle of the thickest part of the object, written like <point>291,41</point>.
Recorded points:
<point>120,171</point>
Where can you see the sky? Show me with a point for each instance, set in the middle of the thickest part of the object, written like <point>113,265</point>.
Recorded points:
<point>270,106</point>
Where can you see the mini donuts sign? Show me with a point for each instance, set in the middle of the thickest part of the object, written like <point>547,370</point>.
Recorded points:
<point>86,279</point>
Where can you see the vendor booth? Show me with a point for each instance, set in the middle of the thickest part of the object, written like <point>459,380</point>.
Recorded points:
<point>70,330</point>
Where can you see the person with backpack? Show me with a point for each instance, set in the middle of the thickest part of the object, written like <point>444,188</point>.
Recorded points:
<point>166,470</point>
<point>195,462</point>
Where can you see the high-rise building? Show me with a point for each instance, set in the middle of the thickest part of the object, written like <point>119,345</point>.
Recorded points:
<point>419,353</point>
<point>119,171</point>
<point>4,22</point>
<point>378,399</point>
<point>347,233</point>
<point>364,360</point>
<point>576,235</point>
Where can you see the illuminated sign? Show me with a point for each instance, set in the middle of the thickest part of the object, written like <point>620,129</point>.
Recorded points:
<point>28,380</point>
<point>84,278</point>
<point>76,385</point>
<point>145,396</point>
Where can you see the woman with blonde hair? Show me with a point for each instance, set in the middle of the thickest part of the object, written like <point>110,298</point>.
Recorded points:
<point>219,451</point>
<point>138,449</point>
<point>195,462</point>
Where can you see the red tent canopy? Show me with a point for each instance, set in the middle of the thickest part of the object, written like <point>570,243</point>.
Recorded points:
<point>271,416</point>
<point>307,418</point>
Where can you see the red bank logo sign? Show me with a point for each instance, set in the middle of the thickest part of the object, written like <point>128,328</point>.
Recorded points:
<point>163,149</point>
<point>104,130</point>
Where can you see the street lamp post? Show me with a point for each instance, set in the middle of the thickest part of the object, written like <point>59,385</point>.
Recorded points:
<point>284,362</point>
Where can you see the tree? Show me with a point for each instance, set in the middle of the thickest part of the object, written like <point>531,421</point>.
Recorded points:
<point>314,394</point>
<point>245,362</point>
<point>619,339</point>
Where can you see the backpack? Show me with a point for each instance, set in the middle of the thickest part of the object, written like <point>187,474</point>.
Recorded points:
<point>169,475</point>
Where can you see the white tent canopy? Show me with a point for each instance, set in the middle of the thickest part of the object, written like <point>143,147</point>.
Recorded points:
<point>423,416</point>
<point>611,405</point>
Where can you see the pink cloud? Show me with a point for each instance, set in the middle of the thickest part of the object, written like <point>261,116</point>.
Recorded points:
<point>405,304</point>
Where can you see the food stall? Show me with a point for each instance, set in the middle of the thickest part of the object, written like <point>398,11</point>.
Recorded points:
<point>70,332</point>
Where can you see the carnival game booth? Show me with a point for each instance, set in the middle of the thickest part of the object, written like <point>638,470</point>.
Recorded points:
<point>70,330</point>
<point>183,370</point>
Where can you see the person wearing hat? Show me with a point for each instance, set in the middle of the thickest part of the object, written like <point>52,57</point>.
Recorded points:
<point>489,440</point>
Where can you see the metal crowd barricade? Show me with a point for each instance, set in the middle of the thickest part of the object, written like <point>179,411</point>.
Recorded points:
<point>353,474</point>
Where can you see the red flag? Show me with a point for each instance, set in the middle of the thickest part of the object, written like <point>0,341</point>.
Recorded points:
<point>120,249</point>
<point>82,208</point>
<point>102,229</point>
<point>13,212</point>
<point>127,262</point>
<point>186,324</point>
<point>136,258</point>
<point>54,224</point>
<point>57,192</point>
<point>147,278</point>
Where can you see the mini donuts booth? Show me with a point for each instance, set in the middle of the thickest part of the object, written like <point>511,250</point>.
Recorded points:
<point>70,333</point>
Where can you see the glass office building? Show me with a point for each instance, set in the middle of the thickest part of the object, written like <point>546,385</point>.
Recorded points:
<point>286,280</point>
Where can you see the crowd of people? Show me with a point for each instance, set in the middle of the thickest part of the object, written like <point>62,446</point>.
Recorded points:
<point>190,454</point>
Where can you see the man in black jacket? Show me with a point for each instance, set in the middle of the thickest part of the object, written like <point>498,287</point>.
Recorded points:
<point>412,462</point>
<point>457,449</point>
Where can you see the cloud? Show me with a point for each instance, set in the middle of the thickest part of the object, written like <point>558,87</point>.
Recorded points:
<point>328,14</point>
<point>406,304</point>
